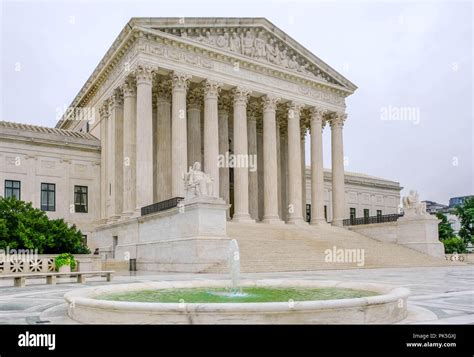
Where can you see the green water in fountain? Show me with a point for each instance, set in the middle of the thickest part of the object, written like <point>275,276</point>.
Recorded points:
<point>223,295</point>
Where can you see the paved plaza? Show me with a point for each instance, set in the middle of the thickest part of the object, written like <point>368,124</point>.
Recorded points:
<point>440,295</point>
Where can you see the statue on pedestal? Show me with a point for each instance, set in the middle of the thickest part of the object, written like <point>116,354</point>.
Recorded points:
<point>412,204</point>
<point>197,182</point>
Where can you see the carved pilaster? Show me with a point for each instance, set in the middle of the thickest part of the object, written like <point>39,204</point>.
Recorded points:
<point>116,99</point>
<point>104,110</point>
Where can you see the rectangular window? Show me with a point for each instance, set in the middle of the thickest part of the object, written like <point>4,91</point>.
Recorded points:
<point>352,214</point>
<point>13,189</point>
<point>308,213</point>
<point>366,213</point>
<point>326,213</point>
<point>379,213</point>
<point>48,197</point>
<point>80,199</point>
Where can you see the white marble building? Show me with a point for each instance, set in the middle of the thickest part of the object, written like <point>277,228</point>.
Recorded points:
<point>173,91</point>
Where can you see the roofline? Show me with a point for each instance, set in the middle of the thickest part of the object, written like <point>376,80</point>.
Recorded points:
<point>135,22</point>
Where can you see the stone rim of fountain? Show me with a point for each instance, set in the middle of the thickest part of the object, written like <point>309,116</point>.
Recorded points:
<point>85,306</point>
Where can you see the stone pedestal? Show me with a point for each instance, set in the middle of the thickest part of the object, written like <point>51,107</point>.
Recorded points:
<point>189,238</point>
<point>420,232</point>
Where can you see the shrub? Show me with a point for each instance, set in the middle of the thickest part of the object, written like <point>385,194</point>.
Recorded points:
<point>65,259</point>
<point>25,227</point>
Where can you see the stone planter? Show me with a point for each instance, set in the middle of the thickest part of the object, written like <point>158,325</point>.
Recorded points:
<point>65,269</point>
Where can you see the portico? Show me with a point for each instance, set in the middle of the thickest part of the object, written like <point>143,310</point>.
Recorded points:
<point>241,88</point>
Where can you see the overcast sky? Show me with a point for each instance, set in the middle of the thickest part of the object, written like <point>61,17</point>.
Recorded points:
<point>413,59</point>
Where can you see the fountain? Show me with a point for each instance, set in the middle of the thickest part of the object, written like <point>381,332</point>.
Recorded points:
<point>275,301</point>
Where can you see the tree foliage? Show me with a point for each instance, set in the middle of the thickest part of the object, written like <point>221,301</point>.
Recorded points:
<point>25,227</point>
<point>465,212</point>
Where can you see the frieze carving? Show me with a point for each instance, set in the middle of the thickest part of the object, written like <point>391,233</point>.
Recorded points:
<point>255,43</point>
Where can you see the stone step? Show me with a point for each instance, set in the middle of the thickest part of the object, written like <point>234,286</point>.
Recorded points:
<point>269,248</point>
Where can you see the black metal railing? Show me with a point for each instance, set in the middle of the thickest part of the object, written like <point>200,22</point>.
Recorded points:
<point>371,220</point>
<point>161,206</point>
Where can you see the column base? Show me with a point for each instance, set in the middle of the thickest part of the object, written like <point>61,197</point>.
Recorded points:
<point>297,221</point>
<point>272,220</point>
<point>319,222</point>
<point>243,218</point>
<point>337,223</point>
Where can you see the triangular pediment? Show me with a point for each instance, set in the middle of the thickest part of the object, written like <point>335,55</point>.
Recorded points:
<point>253,38</point>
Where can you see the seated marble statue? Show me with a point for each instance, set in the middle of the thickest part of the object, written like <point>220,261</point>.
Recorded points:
<point>197,182</point>
<point>412,204</point>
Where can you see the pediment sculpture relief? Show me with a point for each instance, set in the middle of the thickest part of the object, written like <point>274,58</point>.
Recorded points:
<point>255,43</point>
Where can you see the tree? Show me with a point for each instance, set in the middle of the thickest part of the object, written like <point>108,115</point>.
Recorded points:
<point>25,227</point>
<point>445,229</point>
<point>465,212</point>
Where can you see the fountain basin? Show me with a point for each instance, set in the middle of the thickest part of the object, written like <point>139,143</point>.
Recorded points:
<point>389,306</point>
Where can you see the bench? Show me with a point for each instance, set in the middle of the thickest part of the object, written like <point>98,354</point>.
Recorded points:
<point>20,279</point>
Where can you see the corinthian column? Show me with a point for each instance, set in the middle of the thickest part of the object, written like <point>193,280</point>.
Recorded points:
<point>179,157</point>
<point>252,113</point>
<point>129,145</point>
<point>104,117</point>
<point>270,160</point>
<point>163,154</point>
<point>337,156</point>
<point>211,133</point>
<point>144,137</point>
<point>317,171</point>
<point>194,97</point>
<point>223,114</point>
<point>295,214</point>
<point>241,174</point>
<point>115,162</point>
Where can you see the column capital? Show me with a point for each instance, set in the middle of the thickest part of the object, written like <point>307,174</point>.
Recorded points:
<point>116,99</point>
<point>163,90</point>
<point>241,95</point>
<point>104,109</point>
<point>253,110</point>
<point>194,97</point>
<point>337,119</point>
<point>129,87</point>
<point>211,88</point>
<point>318,114</point>
<point>224,103</point>
<point>144,74</point>
<point>294,109</point>
<point>180,80</point>
<point>269,102</point>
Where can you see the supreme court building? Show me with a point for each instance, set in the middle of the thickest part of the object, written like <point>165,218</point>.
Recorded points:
<point>170,92</point>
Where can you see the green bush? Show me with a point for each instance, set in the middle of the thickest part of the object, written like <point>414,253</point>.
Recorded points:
<point>454,245</point>
<point>65,259</point>
<point>25,227</point>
